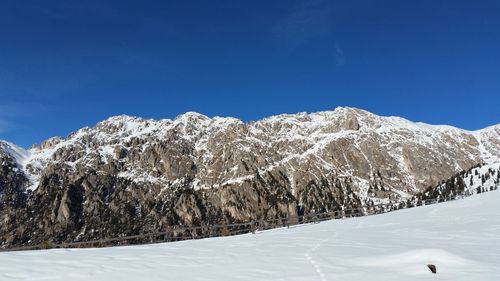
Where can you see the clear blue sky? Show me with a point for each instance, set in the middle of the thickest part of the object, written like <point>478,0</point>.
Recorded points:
<point>68,64</point>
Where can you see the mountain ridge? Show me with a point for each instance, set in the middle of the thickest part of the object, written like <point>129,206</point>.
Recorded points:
<point>303,113</point>
<point>136,127</point>
<point>130,126</point>
<point>193,169</point>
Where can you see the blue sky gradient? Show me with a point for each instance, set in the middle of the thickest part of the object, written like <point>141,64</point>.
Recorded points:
<point>69,64</point>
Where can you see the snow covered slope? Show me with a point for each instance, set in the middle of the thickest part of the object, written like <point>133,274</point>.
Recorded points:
<point>461,238</point>
<point>483,178</point>
<point>19,155</point>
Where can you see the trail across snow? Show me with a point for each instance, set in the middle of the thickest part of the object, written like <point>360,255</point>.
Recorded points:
<point>462,238</point>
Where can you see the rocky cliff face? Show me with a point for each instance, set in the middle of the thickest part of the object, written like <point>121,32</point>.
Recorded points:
<point>129,175</point>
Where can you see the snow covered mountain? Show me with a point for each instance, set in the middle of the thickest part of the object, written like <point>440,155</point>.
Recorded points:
<point>126,174</point>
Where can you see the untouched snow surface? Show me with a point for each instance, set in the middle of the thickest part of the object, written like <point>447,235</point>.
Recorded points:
<point>462,238</point>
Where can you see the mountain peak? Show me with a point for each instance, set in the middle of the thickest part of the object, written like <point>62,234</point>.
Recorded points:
<point>121,119</point>
<point>192,115</point>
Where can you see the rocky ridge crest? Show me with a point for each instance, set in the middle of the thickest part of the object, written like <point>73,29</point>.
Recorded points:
<point>127,175</point>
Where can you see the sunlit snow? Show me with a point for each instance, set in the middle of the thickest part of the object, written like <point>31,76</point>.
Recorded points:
<point>460,237</point>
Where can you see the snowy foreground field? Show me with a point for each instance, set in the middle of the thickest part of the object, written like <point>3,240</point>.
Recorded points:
<point>462,238</point>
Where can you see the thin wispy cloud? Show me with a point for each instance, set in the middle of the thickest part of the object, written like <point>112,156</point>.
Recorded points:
<point>5,121</point>
<point>5,124</point>
<point>2,126</point>
<point>12,112</point>
<point>306,21</point>
<point>339,54</point>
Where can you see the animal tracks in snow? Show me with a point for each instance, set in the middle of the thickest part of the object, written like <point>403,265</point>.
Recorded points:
<point>313,262</point>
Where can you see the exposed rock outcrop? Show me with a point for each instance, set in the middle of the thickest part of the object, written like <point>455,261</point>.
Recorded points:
<point>130,175</point>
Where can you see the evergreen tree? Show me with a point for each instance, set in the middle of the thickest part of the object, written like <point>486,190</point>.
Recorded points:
<point>460,186</point>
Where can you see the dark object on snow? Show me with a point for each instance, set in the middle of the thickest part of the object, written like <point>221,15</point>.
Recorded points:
<point>432,268</point>
<point>300,212</point>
